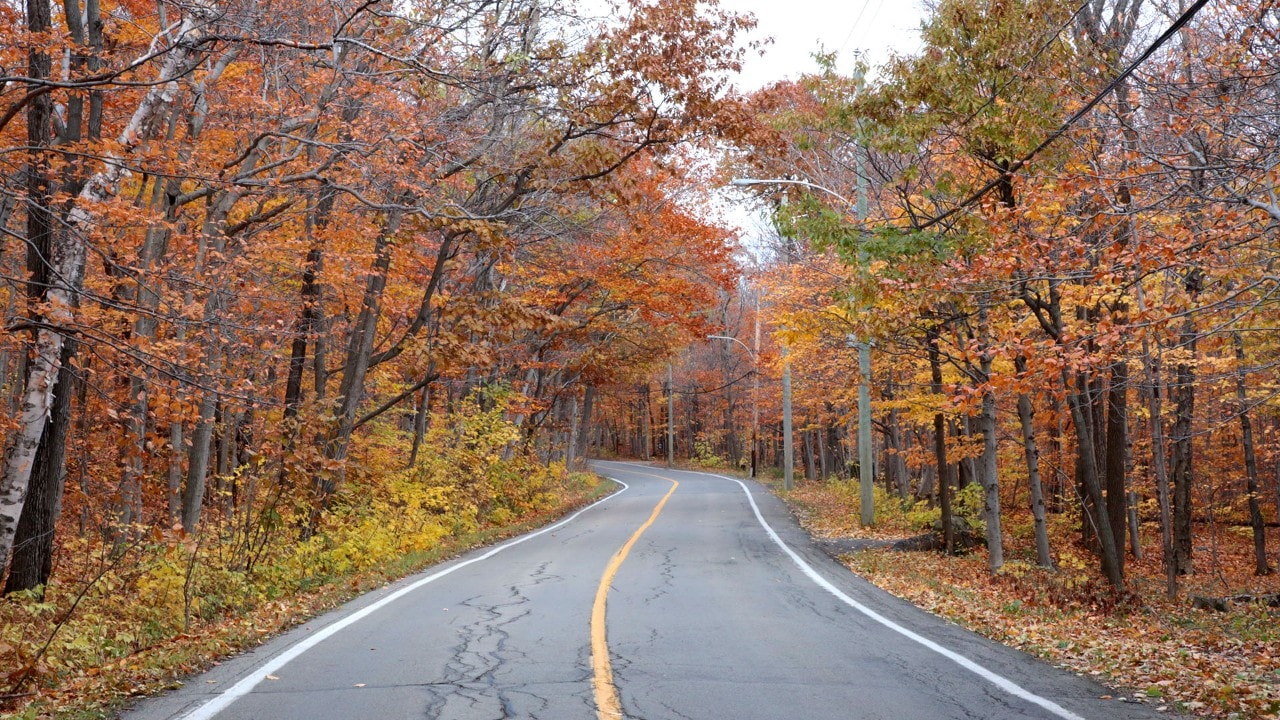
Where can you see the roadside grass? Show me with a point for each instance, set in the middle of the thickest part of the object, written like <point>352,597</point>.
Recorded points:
<point>1168,654</point>
<point>139,659</point>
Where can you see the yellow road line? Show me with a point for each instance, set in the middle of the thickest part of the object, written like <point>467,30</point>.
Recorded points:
<point>608,706</point>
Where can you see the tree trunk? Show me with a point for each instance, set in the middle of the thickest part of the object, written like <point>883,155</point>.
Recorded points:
<point>940,445</point>
<point>895,466</point>
<point>175,472</point>
<point>359,352</point>
<point>1056,491</point>
<point>1250,463</point>
<point>571,440</point>
<point>1116,453</point>
<point>1159,467</point>
<point>584,425</point>
<point>1086,459</point>
<point>968,466</point>
<point>1184,398</point>
<point>419,426</point>
<point>1026,416</point>
<point>823,469</point>
<point>32,561</point>
<point>304,329</point>
<point>193,490</point>
<point>1095,392</point>
<point>646,422</point>
<point>990,460</point>
<point>810,462</point>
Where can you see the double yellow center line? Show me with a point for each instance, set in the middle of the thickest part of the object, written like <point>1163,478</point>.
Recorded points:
<point>608,707</point>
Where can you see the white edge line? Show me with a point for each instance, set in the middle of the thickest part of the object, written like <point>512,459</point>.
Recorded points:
<point>246,684</point>
<point>998,680</point>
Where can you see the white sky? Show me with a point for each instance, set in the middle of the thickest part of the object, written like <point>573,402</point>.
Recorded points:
<point>799,27</point>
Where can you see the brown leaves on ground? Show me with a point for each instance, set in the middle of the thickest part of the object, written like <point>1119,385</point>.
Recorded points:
<point>1163,652</point>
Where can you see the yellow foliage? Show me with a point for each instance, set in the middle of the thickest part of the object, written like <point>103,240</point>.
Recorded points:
<point>472,476</point>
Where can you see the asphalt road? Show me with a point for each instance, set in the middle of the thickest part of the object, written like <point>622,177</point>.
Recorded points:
<point>718,606</point>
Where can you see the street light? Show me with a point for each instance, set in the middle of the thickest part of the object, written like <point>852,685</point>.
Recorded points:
<point>748,182</point>
<point>755,393</point>
<point>865,479</point>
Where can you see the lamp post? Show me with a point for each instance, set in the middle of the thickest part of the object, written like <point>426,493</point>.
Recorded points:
<point>755,393</point>
<point>865,479</point>
<point>671,418</point>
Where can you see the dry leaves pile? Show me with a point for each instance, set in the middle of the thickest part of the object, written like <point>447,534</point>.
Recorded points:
<point>1164,652</point>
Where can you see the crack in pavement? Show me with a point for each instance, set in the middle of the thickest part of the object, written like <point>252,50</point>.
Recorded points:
<point>478,660</point>
<point>666,575</point>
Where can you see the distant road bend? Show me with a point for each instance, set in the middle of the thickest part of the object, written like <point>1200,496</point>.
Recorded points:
<point>684,596</point>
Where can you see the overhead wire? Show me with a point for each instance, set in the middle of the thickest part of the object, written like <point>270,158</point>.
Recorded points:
<point>999,91</point>
<point>694,391</point>
<point>1097,99</point>
<point>854,27</point>
<point>1027,65</point>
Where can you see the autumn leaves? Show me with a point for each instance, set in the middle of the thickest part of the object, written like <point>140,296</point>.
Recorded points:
<point>1084,332</point>
<point>313,221</point>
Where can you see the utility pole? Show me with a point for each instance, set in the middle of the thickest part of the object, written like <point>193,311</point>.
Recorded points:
<point>866,480</point>
<point>755,397</point>
<point>788,453</point>
<point>865,475</point>
<point>671,419</point>
<point>755,372</point>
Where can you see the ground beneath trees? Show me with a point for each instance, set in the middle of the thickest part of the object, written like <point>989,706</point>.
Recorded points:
<point>1166,653</point>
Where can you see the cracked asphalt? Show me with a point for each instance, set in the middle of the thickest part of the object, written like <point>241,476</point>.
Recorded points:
<point>707,618</point>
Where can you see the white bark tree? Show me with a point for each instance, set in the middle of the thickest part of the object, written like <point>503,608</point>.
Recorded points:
<point>67,260</point>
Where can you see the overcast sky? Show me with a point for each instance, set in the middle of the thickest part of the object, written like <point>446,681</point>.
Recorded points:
<point>799,27</point>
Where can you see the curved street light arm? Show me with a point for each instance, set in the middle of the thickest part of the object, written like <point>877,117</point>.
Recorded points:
<point>748,182</point>
<point>730,337</point>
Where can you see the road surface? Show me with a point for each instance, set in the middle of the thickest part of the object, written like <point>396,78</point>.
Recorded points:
<point>684,596</point>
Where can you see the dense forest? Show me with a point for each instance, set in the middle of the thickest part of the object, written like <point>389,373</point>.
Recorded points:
<point>1055,227</point>
<point>293,289</point>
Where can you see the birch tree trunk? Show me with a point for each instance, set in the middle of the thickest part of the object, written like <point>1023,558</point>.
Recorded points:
<point>66,258</point>
<point>32,561</point>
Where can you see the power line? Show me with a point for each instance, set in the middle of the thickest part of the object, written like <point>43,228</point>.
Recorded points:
<point>854,27</point>
<point>1027,65</point>
<point>1005,176</point>
<point>694,391</point>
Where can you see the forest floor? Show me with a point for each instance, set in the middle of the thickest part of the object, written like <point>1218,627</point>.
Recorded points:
<point>1162,651</point>
<point>99,691</point>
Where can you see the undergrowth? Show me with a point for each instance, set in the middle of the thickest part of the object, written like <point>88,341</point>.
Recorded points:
<point>128,617</point>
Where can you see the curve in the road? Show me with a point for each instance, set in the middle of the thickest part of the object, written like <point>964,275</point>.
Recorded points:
<point>608,706</point>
